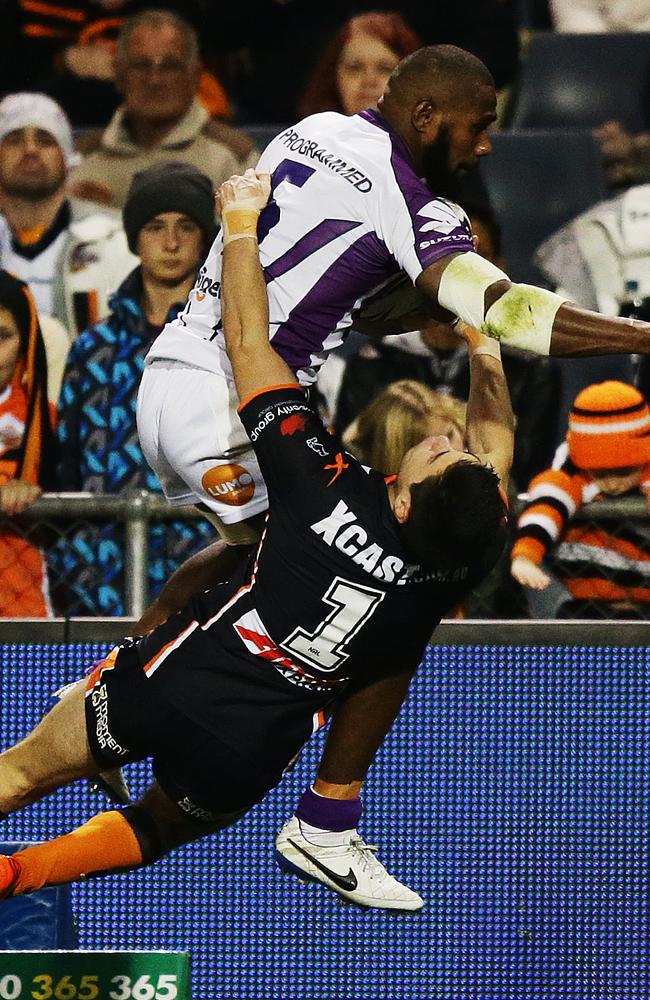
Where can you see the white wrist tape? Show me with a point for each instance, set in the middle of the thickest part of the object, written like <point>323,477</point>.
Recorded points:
<point>492,349</point>
<point>463,285</point>
<point>523,317</point>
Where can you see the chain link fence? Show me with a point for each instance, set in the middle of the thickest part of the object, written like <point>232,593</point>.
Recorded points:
<point>88,555</point>
<point>83,554</point>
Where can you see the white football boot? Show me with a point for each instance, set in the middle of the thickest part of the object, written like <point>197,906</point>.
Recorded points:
<point>350,869</point>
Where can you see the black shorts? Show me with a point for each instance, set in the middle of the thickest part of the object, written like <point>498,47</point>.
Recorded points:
<point>128,720</point>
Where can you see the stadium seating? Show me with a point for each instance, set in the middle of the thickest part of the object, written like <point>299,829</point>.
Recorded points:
<point>537,181</point>
<point>581,81</point>
<point>262,134</point>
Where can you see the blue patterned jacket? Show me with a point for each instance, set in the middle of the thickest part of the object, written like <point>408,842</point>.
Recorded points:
<point>100,453</point>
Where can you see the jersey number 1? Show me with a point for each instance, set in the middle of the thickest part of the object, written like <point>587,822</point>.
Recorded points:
<point>352,605</point>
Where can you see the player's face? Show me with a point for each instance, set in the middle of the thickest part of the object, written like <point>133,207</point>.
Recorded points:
<point>430,458</point>
<point>156,75</point>
<point>615,482</point>
<point>460,140</point>
<point>170,247</point>
<point>31,164</point>
<point>362,72</point>
<point>9,347</point>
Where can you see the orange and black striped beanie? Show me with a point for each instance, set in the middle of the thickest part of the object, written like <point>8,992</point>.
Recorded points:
<point>609,427</point>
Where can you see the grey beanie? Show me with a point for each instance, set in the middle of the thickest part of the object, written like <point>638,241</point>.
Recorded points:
<point>169,187</point>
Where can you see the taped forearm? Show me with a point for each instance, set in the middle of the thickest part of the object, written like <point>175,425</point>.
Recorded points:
<point>522,316</point>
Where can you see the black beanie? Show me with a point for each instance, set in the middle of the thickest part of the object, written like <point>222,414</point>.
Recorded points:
<point>169,187</point>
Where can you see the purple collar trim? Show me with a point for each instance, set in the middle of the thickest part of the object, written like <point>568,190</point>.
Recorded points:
<point>377,119</point>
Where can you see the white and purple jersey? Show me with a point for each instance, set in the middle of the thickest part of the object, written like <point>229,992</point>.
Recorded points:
<point>347,212</point>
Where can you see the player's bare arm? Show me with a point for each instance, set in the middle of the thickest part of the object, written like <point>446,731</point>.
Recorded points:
<point>490,425</point>
<point>533,319</point>
<point>245,310</point>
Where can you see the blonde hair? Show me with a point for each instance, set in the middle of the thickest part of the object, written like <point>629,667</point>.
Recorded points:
<point>396,420</point>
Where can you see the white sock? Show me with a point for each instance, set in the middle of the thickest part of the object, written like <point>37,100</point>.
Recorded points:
<point>325,838</point>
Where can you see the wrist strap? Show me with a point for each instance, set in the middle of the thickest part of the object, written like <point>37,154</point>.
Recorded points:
<point>239,224</point>
<point>492,349</point>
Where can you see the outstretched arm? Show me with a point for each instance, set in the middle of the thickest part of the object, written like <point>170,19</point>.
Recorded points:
<point>490,423</point>
<point>525,316</point>
<point>244,303</point>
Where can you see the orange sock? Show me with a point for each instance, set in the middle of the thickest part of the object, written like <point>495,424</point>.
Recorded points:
<point>105,843</point>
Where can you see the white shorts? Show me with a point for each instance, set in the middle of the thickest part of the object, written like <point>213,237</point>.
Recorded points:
<point>196,444</point>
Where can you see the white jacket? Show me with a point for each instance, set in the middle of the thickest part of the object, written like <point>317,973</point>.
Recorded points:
<point>74,277</point>
<point>593,257</point>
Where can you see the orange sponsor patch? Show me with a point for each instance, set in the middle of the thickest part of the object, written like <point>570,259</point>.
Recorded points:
<point>230,484</point>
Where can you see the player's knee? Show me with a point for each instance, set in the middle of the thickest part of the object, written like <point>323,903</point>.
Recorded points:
<point>147,833</point>
<point>17,780</point>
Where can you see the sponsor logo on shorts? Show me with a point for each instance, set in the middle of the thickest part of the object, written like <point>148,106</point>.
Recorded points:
<point>99,699</point>
<point>230,484</point>
<point>292,424</point>
<point>196,812</point>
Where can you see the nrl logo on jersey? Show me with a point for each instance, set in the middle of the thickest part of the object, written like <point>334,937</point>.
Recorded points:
<point>443,216</point>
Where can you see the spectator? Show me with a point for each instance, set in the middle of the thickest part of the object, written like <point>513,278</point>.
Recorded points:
<point>580,16</point>
<point>273,45</point>
<point>435,357</point>
<point>601,258</point>
<point>27,449</point>
<point>67,51</point>
<point>158,71</point>
<point>353,71</point>
<point>402,414</point>
<point>605,567</point>
<point>169,221</point>
<point>69,254</point>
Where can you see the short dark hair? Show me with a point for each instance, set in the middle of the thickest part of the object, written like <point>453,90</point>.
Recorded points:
<point>454,515</point>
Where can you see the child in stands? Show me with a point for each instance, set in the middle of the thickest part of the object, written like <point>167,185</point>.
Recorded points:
<point>605,566</point>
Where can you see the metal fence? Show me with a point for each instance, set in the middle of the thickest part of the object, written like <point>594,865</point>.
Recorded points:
<point>89,543</point>
<point>99,556</point>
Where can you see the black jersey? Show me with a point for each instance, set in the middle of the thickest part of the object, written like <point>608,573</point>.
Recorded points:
<point>329,593</point>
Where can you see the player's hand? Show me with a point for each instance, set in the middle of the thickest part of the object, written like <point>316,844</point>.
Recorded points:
<point>475,339</point>
<point>249,191</point>
<point>529,574</point>
<point>16,496</point>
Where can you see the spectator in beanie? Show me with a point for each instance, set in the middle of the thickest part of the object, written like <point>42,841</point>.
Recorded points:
<point>604,566</point>
<point>169,222</point>
<point>70,254</point>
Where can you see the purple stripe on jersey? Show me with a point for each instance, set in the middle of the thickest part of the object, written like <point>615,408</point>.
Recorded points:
<point>439,226</point>
<point>358,270</point>
<point>318,237</point>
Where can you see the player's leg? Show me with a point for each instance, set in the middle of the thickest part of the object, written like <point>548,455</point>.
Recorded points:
<point>111,842</point>
<point>193,439</point>
<point>321,840</point>
<point>55,753</point>
<point>211,566</point>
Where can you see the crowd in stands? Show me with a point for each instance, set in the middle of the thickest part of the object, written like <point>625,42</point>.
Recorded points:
<point>119,119</point>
